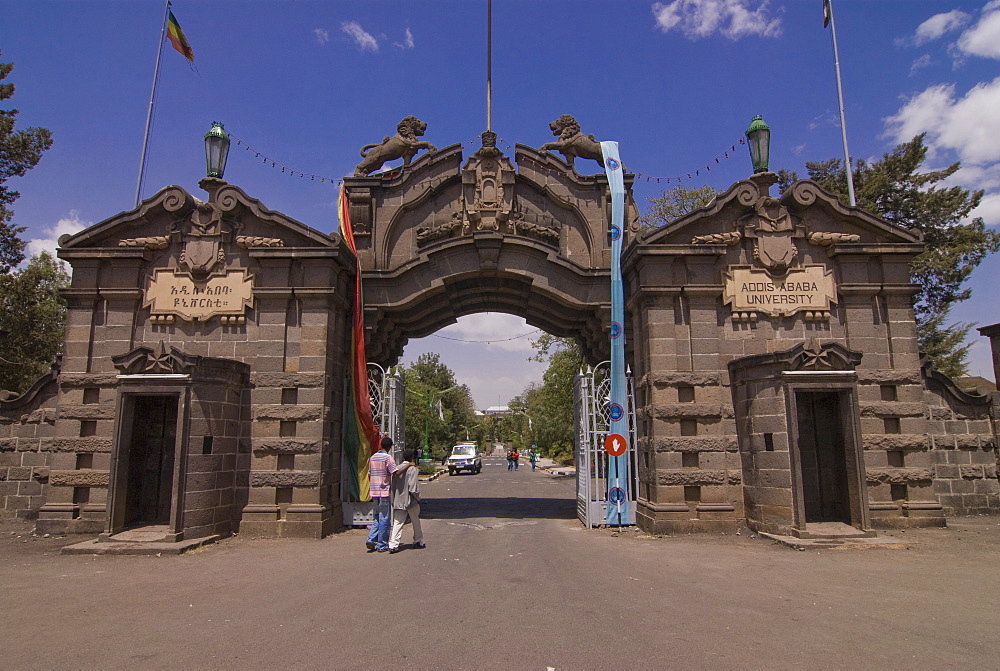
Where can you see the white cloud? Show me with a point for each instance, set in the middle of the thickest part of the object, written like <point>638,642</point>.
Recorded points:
<point>407,42</point>
<point>494,329</point>
<point>65,226</point>
<point>983,39</point>
<point>363,40</point>
<point>827,118</point>
<point>939,24</point>
<point>920,63</point>
<point>968,125</point>
<point>989,209</point>
<point>965,127</point>
<point>322,35</point>
<point>732,18</point>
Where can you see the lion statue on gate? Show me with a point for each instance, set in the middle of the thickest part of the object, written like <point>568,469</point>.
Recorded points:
<point>572,142</point>
<point>404,144</point>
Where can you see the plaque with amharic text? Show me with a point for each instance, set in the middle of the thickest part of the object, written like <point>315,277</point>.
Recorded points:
<point>177,293</point>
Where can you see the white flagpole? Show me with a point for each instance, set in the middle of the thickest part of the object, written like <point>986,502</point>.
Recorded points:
<point>840,98</point>
<point>489,65</point>
<point>149,114</point>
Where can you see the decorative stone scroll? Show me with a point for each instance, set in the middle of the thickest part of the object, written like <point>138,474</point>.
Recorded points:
<point>177,293</point>
<point>809,289</point>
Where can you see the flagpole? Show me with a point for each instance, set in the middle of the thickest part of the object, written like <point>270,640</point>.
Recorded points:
<point>840,98</point>
<point>489,65</point>
<point>149,114</point>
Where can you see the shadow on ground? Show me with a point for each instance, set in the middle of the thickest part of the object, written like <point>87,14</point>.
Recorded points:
<point>508,507</point>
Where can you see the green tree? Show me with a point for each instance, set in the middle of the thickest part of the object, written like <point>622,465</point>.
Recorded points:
<point>32,321</point>
<point>896,190</point>
<point>20,151</point>
<point>550,405</point>
<point>675,203</point>
<point>429,381</point>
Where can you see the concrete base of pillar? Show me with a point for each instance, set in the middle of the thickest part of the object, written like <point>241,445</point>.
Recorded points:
<point>65,519</point>
<point>677,518</point>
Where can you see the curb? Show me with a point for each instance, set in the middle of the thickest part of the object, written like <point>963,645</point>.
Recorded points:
<point>432,478</point>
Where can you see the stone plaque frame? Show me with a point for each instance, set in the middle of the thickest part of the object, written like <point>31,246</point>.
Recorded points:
<point>810,288</point>
<point>177,293</point>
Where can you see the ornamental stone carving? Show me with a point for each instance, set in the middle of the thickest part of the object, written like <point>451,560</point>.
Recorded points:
<point>572,142</point>
<point>488,186</point>
<point>203,241</point>
<point>404,144</point>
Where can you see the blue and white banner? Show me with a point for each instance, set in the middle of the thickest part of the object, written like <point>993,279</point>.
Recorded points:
<point>617,442</point>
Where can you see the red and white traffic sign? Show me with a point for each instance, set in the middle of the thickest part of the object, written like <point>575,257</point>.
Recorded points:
<point>615,444</point>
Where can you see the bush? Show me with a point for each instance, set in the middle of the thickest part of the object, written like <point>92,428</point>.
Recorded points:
<point>427,468</point>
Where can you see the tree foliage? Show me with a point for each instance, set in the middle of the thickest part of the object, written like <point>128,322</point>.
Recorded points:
<point>20,151</point>
<point>896,190</point>
<point>32,321</point>
<point>550,404</point>
<point>675,203</point>
<point>429,381</point>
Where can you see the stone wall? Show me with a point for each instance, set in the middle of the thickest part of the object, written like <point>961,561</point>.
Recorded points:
<point>26,428</point>
<point>261,455</point>
<point>714,453</point>
<point>963,447</point>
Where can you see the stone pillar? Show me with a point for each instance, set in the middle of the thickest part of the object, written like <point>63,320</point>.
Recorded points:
<point>993,333</point>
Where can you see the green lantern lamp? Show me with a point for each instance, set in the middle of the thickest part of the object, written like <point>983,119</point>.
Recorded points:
<point>216,150</point>
<point>759,141</point>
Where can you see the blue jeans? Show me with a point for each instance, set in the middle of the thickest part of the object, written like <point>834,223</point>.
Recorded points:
<point>379,531</point>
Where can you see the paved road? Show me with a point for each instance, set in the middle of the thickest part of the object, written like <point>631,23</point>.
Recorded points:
<point>509,580</point>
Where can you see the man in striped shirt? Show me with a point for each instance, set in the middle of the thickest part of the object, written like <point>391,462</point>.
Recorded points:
<point>380,469</point>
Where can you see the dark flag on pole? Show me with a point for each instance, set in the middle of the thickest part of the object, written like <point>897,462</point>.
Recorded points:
<point>826,13</point>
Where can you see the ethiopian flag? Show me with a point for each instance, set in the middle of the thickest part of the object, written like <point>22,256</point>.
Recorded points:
<point>177,39</point>
<point>360,432</point>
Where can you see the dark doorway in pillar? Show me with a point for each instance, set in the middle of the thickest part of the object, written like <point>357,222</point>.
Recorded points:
<point>822,457</point>
<point>151,460</point>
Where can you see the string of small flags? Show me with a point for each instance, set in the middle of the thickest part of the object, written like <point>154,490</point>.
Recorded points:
<point>488,342</point>
<point>285,169</point>
<point>726,154</point>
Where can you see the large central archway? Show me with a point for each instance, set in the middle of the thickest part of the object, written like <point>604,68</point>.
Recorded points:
<point>441,240</point>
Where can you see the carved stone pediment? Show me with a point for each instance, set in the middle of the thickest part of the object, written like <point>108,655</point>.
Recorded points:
<point>168,360</point>
<point>163,360</point>
<point>488,202</point>
<point>829,356</point>
<point>802,358</point>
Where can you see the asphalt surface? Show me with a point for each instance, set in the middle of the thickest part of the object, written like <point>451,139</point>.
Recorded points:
<point>509,580</point>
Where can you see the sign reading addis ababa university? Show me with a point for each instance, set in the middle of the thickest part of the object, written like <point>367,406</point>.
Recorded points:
<point>752,289</point>
<point>177,293</point>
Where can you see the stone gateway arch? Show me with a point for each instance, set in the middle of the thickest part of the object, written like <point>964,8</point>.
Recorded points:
<point>778,383</point>
<point>453,236</point>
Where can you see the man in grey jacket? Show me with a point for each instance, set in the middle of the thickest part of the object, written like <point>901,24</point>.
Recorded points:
<point>405,488</point>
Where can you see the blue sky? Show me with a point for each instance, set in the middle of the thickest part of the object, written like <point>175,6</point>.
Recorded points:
<point>307,83</point>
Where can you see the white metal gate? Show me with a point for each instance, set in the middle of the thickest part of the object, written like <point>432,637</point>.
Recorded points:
<point>591,398</point>
<point>388,397</point>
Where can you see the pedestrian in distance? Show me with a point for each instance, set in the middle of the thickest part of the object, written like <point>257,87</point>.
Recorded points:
<point>380,469</point>
<point>533,456</point>
<point>515,456</point>
<point>510,460</point>
<point>406,502</point>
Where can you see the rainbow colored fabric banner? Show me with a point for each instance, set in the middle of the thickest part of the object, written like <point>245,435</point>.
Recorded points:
<point>619,432</point>
<point>177,39</point>
<point>360,432</point>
